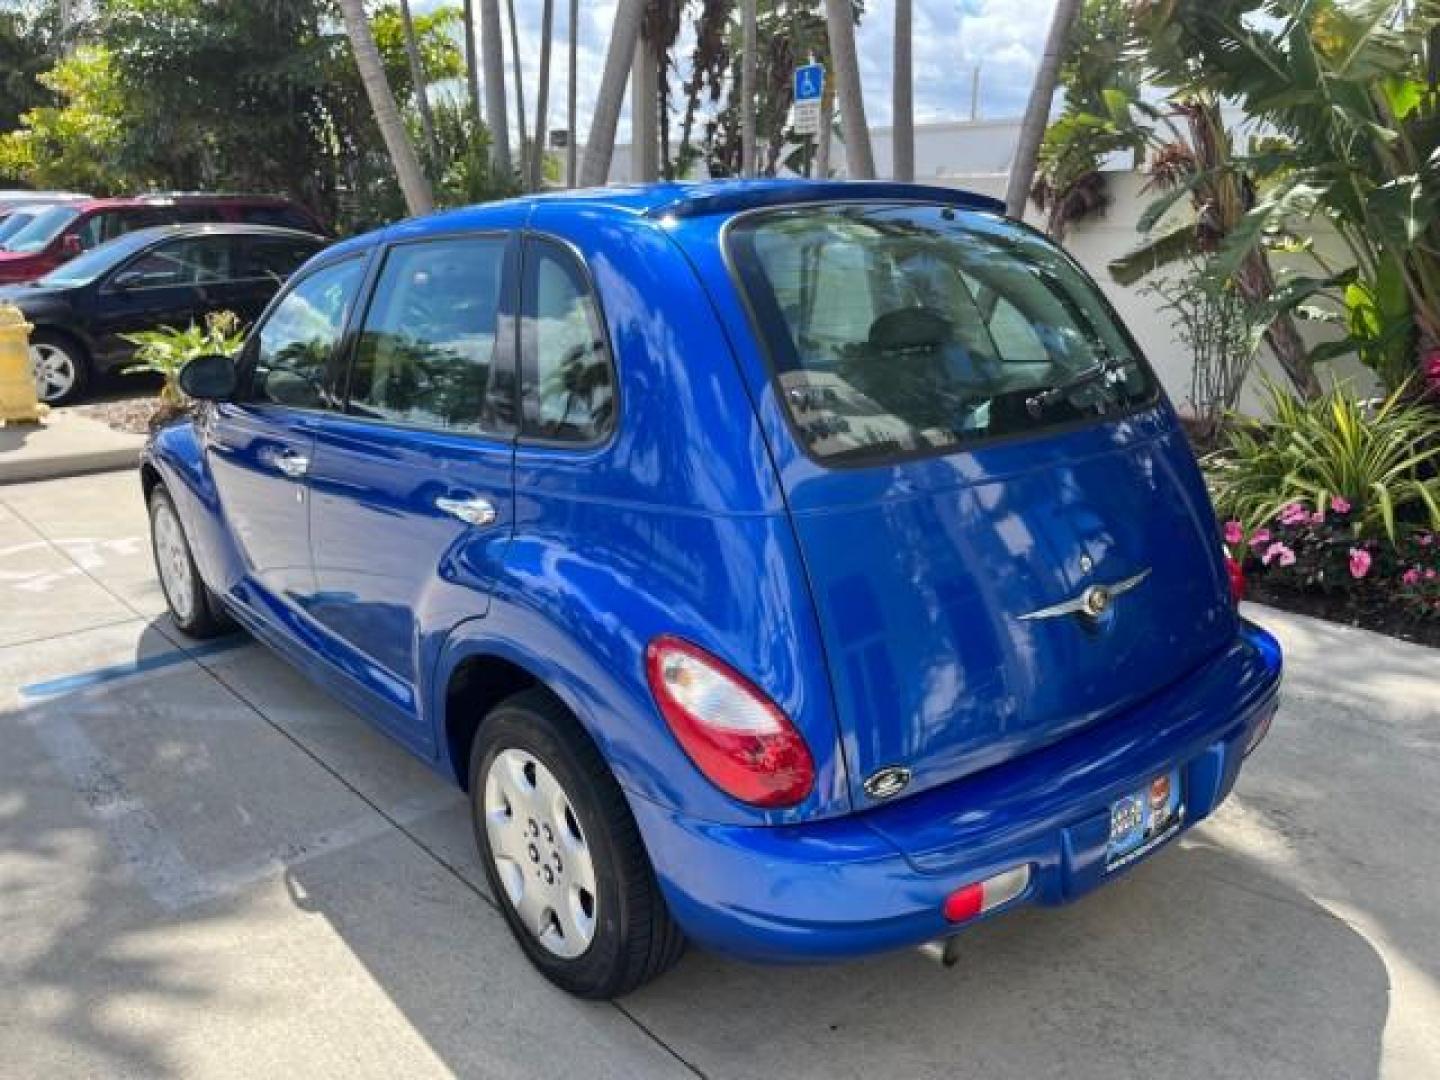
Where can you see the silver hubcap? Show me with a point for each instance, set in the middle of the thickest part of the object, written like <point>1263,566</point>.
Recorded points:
<point>54,371</point>
<point>174,564</point>
<point>540,853</point>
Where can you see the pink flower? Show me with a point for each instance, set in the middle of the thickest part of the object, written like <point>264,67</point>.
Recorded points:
<point>1260,538</point>
<point>1425,539</point>
<point>1430,575</point>
<point>1360,561</point>
<point>1431,367</point>
<point>1340,504</point>
<point>1317,518</point>
<point>1411,576</point>
<point>1280,553</point>
<point>1294,514</point>
<point>1234,533</point>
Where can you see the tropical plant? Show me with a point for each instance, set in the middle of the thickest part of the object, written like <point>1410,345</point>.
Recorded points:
<point>1350,86</point>
<point>166,350</point>
<point>1037,111</point>
<point>1220,330</point>
<point>26,52</point>
<point>1382,461</point>
<point>421,81</point>
<point>419,198</point>
<point>1100,77</point>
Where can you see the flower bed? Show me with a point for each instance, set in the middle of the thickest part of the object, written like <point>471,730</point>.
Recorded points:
<point>1308,559</point>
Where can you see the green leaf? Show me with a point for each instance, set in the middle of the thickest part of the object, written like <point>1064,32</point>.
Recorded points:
<point>1180,243</point>
<point>1402,210</point>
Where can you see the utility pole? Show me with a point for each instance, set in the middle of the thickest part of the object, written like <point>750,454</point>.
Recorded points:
<point>747,89</point>
<point>572,174</point>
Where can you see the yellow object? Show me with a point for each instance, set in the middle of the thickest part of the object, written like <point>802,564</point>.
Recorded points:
<point>18,404</point>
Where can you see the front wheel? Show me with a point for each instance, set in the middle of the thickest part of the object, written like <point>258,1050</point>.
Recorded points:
<point>60,367</point>
<point>562,853</point>
<point>193,606</point>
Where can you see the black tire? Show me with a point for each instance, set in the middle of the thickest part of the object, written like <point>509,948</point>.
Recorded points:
<point>635,939</point>
<point>77,359</point>
<point>197,612</point>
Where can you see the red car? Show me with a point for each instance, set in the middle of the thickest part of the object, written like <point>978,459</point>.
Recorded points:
<point>65,230</point>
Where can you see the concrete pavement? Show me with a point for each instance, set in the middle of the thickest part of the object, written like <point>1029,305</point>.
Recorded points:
<point>207,868</point>
<point>64,444</point>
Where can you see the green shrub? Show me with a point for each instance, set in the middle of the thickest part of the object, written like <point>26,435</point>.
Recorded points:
<point>166,350</point>
<point>1382,459</point>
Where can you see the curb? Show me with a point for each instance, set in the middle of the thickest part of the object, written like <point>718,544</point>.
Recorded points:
<point>64,445</point>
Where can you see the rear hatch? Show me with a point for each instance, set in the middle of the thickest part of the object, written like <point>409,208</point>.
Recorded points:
<point>1005,533</point>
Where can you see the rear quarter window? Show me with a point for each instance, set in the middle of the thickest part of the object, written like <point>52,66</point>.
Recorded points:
<point>903,330</point>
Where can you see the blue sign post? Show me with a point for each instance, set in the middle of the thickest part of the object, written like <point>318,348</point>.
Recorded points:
<point>809,82</point>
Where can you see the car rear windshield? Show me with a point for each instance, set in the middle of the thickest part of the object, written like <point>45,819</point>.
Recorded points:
<point>901,330</point>
<point>42,229</point>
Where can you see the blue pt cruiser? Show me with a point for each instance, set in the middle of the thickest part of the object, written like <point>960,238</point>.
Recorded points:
<point>801,569</point>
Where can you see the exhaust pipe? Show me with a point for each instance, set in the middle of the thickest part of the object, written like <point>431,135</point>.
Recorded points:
<point>944,951</point>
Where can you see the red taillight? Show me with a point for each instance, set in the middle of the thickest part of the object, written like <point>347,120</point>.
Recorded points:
<point>733,733</point>
<point>968,901</point>
<point>1237,577</point>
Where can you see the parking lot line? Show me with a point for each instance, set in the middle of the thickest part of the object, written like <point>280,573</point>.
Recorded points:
<point>83,680</point>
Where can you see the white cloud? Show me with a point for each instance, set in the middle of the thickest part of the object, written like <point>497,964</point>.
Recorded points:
<point>1005,37</point>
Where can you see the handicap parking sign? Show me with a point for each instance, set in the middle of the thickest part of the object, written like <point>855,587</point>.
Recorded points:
<point>809,82</point>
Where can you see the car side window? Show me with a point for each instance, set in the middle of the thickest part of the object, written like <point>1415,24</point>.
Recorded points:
<point>432,350</point>
<point>568,379</point>
<point>198,260</point>
<point>293,347</point>
<point>270,258</point>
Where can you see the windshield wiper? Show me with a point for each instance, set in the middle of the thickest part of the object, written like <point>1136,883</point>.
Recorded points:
<point>1106,368</point>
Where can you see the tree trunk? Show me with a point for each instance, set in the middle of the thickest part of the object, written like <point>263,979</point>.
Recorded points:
<point>824,137</point>
<point>904,96</point>
<point>542,104</point>
<point>1037,112</point>
<point>422,98</point>
<point>1256,282</point>
<point>572,176</point>
<point>492,51</point>
<point>418,197</point>
<point>472,63</point>
<point>747,88</point>
<point>840,26</point>
<point>519,93</point>
<point>644,112</point>
<point>600,147</point>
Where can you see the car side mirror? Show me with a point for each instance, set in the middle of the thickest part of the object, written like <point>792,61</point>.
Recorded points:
<point>71,245</point>
<point>209,378</point>
<point>128,279</point>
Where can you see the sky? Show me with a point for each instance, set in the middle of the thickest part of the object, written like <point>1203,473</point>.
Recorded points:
<point>1005,37</point>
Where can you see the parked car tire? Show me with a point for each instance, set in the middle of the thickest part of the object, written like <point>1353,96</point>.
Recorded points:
<point>62,368</point>
<point>195,609</point>
<point>562,852</point>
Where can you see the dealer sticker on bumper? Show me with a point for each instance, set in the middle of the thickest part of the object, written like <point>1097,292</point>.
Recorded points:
<point>1145,819</point>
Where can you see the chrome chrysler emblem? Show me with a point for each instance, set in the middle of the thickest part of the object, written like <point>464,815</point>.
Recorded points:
<point>1092,603</point>
<point>1086,564</point>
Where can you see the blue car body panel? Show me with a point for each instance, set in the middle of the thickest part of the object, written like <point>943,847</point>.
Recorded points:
<point>858,599</point>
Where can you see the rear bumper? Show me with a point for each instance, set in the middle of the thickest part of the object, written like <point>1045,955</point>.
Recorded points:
<point>876,881</point>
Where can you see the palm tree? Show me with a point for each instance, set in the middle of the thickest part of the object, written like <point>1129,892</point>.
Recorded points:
<point>519,89</point>
<point>414,185</point>
<point>601,145</point>
<point>1037,112</point>
<point>904,96</point>
<point>747,89</point>
<point>492,52</point>
<point>472,65</point>
<point>840,25</point>
<point>644,111</point>
<point>417,76</point>
<point>537,150</point>
<point>572,175</point>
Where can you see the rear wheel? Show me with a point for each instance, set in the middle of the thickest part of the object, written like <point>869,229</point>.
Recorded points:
<point>61,368</point>
<point>562,853</point>
<point>195,609</point>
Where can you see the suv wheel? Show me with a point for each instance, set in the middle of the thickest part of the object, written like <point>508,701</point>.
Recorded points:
<point>195,609</point>
<point>562,853</point>
<point>61,369</point>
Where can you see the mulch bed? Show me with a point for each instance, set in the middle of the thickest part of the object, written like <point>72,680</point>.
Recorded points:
<point>132,415</point>
<point>1380,617</point>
